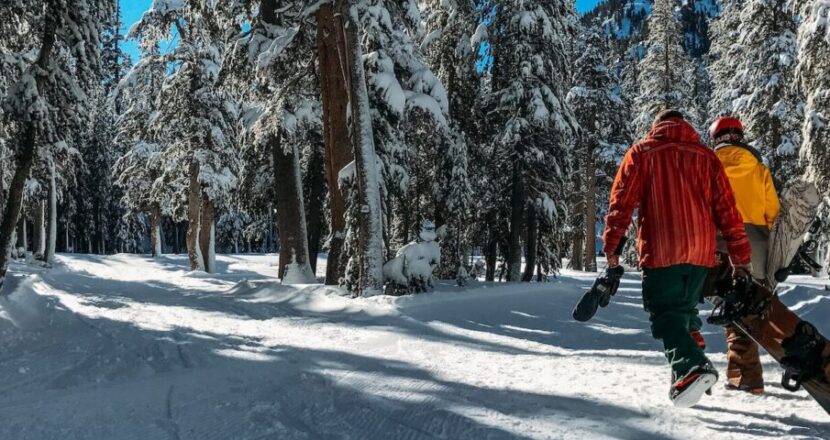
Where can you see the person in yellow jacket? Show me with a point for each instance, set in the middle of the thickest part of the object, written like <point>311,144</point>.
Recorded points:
<point>757,201</point>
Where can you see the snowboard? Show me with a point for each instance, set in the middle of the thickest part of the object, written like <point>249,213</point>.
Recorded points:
<point>775,329</point>
<point>799,205</point>
<point>772,332</point>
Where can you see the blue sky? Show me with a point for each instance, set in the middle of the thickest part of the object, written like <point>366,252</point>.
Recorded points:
<point>131,11</point>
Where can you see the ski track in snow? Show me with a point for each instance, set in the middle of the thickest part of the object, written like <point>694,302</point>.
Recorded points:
<point>126,347</point>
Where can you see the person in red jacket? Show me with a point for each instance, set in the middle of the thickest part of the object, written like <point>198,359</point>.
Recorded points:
<point>684,198</point>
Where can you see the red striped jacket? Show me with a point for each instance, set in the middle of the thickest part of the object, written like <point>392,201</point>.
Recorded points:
<point>683,196</point>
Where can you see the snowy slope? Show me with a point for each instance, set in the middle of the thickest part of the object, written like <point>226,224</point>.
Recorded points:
<point>124,347</point>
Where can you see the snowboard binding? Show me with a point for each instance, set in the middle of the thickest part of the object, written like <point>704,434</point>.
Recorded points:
<point>745,297</point>
<point>803,356</point>
<point>802,256</point>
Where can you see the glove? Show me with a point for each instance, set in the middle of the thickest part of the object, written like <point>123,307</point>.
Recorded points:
<point>742,271</point>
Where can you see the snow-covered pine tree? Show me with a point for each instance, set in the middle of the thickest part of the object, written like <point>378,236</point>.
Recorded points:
<point>813,78</point>
<point>532,127</point>
<point>450,39</point>
<point>59,61</point>
<point>194,120</point>
<point>755,81</point>
<point>723,55</point>
<point>140,164</point>
<point>603,116</point>
<point>100,213</point>
<point>666,75</point>
<point>404,100</point>
<point>285,116</point>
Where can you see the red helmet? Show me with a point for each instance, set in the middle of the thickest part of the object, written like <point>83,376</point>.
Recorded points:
<point>725,125</point>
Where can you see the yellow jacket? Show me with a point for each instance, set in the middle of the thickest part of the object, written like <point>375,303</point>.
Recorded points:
<point>752,184</point>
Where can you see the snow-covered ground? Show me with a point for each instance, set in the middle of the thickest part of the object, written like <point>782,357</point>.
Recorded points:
<point>126,347</point>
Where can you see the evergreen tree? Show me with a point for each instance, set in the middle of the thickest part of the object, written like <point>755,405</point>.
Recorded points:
<point>666,75</point>
<point>602,114</point>
<point>814,53</point>
<point>762,89</point>
<point>194,120</point>
<point>450,39</point>
<point>533,129</point>
<point>48,100</point>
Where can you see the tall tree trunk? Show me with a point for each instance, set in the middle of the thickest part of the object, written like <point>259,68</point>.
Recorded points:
<point>514,244</point>
<point>155,230</point>
<point>577,262</point>
<point>96,236</point>
<point>21,234</point>
<point>27,145</point>
<point>207,234</point>
<point>590,212</point>
<point>332,49</point>
<point>370,226</point>
<point>52,231</point>
<point>40,229</point>
<point>491,255</point>
<point>315,202</point>
<point>194,208</point>
<point>531,243</point>
<point>290,215</point>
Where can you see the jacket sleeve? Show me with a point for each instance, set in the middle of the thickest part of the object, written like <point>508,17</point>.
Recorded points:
<point>625,196</point>
<point>772,206</point>
<point>728,219</point>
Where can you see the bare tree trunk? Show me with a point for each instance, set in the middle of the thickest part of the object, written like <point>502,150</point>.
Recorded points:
<point>27,145</point>
<point>194,208</point>
<point>315,202</point>
<point>21,234</point>
<point>531,243</point>
<point>370,226</point>
<point>490,257</point>
<point>207,235</point>
<point>52,232</point>
<point>155,230</point>
<point>514,244</point>
<point>577,262</point>
<point>590,212</point>
<point>290,215</point>
<point>332,49</point>
<point>40,230</point>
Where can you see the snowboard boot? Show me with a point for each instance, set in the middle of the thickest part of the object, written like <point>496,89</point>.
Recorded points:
<point>756,391</point>
<point>803,356</point>
<point>686,391</point>
<point>698,337</point>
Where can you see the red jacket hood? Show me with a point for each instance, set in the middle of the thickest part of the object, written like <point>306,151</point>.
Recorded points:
<point>674,130</point>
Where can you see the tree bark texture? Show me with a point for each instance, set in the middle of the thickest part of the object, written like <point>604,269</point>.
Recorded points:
<point>40,229</point>
<point>531,243</point>
<point>332,50</point>
<point>590,212</point>
<point>52,213</point>
<point>314,204</point>
<point>370,222</point>
<point>194,208</point>
<point>517,208</point>
<point>290,212</point>
<point>206,234</point>
<point>155,230</point>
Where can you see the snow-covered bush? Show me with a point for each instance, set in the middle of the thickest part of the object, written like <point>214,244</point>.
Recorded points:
<point>411,269</point>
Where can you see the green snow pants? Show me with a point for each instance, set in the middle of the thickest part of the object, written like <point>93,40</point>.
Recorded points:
<point>670,296</point>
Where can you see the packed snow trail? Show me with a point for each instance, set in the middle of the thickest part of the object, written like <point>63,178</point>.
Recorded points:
<point>126,347</point>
